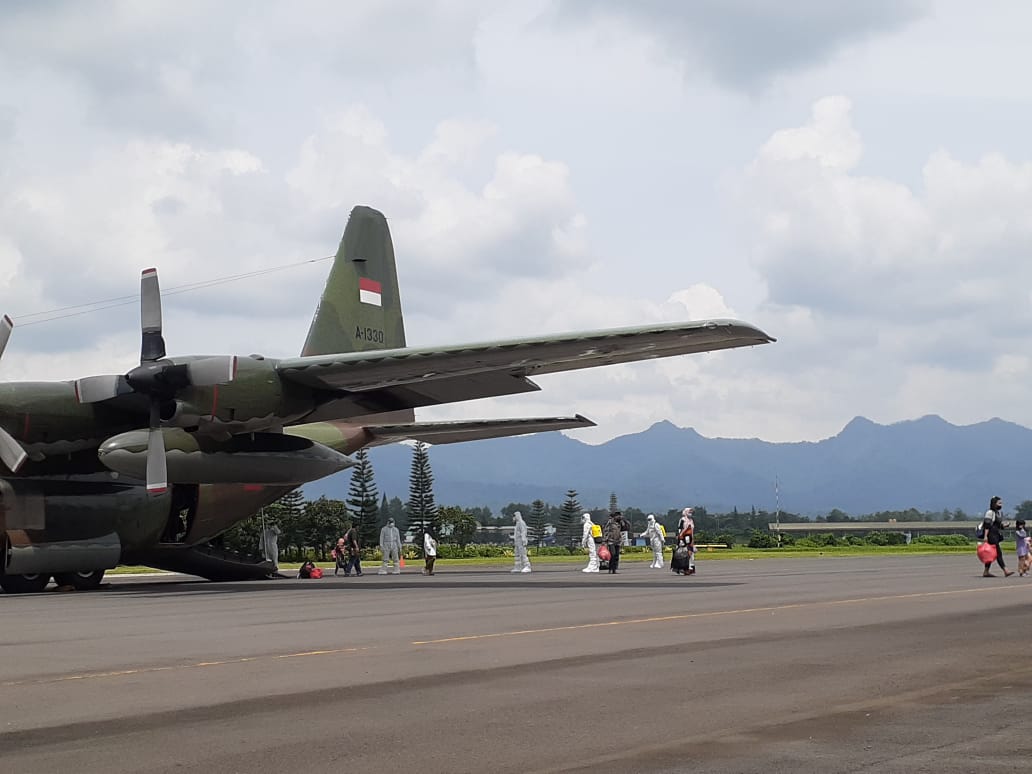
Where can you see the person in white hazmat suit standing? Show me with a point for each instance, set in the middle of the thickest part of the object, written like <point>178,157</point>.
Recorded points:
<point>521,562</point>
<point>588,541</point>
<point>654,534</point>
<point>390,545</point>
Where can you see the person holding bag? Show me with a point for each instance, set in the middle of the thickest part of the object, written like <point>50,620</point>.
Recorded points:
<point>992,529</point>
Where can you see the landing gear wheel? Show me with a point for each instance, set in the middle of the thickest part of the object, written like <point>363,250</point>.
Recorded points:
<point>81,581</point>
<point>24,584</point>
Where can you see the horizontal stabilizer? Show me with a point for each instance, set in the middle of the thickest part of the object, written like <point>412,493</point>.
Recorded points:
<point>477,430</point>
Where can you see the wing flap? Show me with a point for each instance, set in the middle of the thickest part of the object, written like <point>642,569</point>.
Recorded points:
<point>437,433</point>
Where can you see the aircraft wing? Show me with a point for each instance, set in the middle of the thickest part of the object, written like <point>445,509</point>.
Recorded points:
<point>424,376</point>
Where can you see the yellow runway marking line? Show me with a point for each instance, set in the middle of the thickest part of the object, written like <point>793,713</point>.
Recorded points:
<point>198,665</point>
<point>707,614</point>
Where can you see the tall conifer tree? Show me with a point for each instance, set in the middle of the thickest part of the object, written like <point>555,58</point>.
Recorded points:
<point>362,497</point>
<point>569,516</point>
<point>536,523</point>
<point>421,509</point>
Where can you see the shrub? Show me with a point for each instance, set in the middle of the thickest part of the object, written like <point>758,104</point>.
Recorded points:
<point>944,540</point>
<point>760,539</point>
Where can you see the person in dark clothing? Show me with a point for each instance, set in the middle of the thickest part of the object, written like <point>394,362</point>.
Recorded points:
<point>353,546</point>
<point>613,534</point>
<point>993,526</point>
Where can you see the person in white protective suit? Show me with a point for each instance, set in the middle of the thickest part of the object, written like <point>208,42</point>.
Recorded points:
<point>390,545</point>
<point>521,562</point>
<point>655,538</point>
<point>270,544</point>
<point>588,541</point>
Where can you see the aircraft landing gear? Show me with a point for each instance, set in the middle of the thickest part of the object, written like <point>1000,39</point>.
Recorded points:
<point>24,584</point>
<point>80,581</point>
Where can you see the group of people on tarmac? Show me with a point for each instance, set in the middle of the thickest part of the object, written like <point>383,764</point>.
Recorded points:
<point>347,553</point>
<point>991,532</point>
<point>611,537</point>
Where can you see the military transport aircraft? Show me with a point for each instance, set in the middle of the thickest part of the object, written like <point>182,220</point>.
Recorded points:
<point>148,466</point>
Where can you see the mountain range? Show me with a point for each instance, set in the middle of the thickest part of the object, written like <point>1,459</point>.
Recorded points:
<point>926,463</point>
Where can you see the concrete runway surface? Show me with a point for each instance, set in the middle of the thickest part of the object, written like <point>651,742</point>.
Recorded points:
<point>895,664</point>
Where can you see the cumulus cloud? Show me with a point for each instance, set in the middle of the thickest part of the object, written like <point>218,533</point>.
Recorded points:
<point>744,44</point>
<point>887,297</point>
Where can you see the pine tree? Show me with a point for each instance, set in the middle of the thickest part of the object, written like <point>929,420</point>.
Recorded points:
<point>396,511</point>
<point>422,511</point>
<point>288,514</point>
<point>362,496</point>
<point>536,523</point>
<point>384,514</point>
<point>569,515</point>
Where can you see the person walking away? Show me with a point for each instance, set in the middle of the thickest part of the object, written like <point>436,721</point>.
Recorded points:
<point>588,541</point>
<point>521,562</point>
<point>340,556</point>
<point>1022,545</point>
<point>686,537</point>
<point>654,534</point>
<point>613,532</point>
<point>992,527</point>
<point>390,546</point>
<point>354,550</point>
<point>270,544</point>
<point>429,552</point>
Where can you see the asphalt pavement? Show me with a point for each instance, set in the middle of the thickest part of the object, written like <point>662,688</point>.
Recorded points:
<point>804,665</point>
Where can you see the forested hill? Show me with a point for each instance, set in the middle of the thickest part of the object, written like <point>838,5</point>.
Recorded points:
<point>926,463</point>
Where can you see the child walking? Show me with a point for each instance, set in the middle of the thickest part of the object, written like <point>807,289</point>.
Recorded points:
<point>1024,550</point>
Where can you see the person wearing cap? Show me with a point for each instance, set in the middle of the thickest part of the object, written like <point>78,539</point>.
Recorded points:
<point>390,546</point>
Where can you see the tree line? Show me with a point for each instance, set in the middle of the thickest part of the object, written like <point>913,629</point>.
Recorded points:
<point>309,528</point>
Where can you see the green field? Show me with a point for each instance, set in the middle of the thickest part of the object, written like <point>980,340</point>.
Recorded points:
<point>638,555</point>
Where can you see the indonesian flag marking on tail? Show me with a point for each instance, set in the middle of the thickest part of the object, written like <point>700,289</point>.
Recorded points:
<point>369,291</point>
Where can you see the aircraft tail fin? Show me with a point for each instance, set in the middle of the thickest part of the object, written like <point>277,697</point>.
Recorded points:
<point>361,306</point>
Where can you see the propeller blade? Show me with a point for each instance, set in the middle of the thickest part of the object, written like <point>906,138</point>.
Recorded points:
<point>212,370</point>
<point>157,476</point>
<point>94,389</point>
<point>153,344</point>
<point>6,326</point>
<point>11,452</point>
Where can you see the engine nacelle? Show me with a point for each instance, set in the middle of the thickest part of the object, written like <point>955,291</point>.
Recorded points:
<point>26,556</point>
<point>252,458</point>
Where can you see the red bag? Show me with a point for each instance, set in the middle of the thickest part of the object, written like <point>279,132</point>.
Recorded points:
<point>316,573</point>
<point>603,553</point>
<point>986,553</point>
